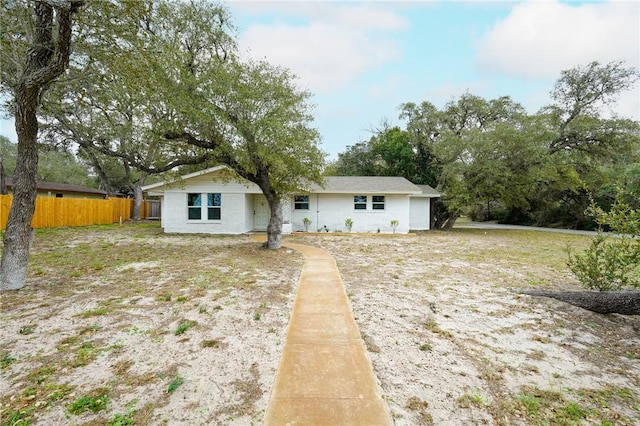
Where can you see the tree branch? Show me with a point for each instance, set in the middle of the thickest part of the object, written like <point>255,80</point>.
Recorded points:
<point>35,74</point>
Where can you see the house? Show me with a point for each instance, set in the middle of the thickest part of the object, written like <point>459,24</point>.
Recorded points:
<point>218,201</point>
<point>62,190</point>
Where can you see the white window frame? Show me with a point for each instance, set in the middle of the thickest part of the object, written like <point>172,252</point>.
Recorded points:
<point>213,206</point>
<point>378,203</point>
<point>195,207</point>
<point>357,202</point>
<point>296,202</point>
<point>203,207</point>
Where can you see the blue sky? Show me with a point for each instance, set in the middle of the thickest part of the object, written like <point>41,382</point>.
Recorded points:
<point>362,59</point>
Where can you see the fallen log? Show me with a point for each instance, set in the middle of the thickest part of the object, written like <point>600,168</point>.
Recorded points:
<point>602,302</point>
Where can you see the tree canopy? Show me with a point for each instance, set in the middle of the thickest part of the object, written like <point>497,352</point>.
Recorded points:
<point>492,160</point>
<point>156,85</point>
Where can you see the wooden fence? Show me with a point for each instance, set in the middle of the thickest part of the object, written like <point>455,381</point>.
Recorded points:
<point>52,212</point>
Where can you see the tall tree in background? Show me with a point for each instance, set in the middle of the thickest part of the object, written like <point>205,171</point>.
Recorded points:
<point>110,106</point>
<point>583,144</point>
<point>46,59</point>
<point>492,160</point>
<point>455,138</point>
<point>390,152</point>
<point>7,153</point>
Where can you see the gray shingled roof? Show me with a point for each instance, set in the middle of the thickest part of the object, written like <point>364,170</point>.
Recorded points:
<point>428,191</point>
<point>365,185</point>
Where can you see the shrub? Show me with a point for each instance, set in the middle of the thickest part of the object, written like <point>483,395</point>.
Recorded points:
<point>611,262</point>
<point>348,223</point>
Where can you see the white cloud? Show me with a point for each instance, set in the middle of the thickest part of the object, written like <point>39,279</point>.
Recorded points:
<point>541,38</point>
<point>332,46</point>
<point>385,89</point>
<point>441,95</point>
<point>628,105</point>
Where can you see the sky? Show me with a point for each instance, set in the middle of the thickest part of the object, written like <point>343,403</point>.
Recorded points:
<point>361,60</point>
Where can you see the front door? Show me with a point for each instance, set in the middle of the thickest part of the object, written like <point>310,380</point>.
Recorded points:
<point>261,213</point>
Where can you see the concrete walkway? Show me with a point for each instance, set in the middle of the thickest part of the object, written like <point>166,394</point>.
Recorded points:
<point>485,225</point>
<point>324,376</point>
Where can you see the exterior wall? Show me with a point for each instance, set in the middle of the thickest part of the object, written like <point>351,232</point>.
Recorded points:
<point>286,216</point>
<point>331,210</point>
<point>232,213</point>
<point>248,211</point>
<point>212,183</point>
<point>163,208</point>
<point>420,219</point>
<point>236,212</point>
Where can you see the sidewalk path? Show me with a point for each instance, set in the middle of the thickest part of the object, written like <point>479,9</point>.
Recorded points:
<point>485,225</point>
<point>324,376</point>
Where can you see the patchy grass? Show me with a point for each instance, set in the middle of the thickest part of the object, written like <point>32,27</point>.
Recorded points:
<point>95,402</point>
<point>446,322</point>
<point>184,326</point>
<point>175,383</point>
<point>544,407</point>
<point>103,304</point>
<point>100,305</point>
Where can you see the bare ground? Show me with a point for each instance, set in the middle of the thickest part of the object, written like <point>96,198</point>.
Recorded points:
<point>125,325</point>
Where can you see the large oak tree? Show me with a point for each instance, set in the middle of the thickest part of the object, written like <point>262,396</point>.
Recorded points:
<point>46,59</point>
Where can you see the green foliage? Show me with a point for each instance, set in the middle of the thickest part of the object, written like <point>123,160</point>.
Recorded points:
<point>20,417</point>
<point>175,383</point>
<point>6,361</point>
<point>122,419</point>
<point>605,265</point>
<point>89,403</point>
<point>348,223</point>
<point>611,262</point>
<point>391,152</point>
<point>184,326</point>
<point>492,160</point>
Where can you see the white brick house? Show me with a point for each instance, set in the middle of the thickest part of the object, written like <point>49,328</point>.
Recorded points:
<point>217,201</point>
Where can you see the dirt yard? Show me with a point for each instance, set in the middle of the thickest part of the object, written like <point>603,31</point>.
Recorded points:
<point>123,325</point>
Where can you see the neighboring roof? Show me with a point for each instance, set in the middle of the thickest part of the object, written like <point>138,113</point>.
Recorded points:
<point>428,191</point>
<point>365,185</point>
<point>60,187</point>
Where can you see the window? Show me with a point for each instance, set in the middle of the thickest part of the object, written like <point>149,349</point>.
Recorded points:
<point>194,206</point>
<point>214,201</point>
<point>194,202</point>
<point>360,202</point>
<point>301,202</point>
<point>377,202</point>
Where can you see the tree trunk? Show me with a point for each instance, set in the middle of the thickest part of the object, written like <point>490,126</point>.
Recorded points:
<point>19,234</point>
<point>138,198</point>
<point>274,229</point>
<point>602,302</point>
<point>47,58</point>
<point>105,182</point>
<point>443,218</point>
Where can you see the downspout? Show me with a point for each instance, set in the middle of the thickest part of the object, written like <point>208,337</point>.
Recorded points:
<point>317,211</point>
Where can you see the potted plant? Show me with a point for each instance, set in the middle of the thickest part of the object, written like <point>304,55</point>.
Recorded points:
<point>394,225</point>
